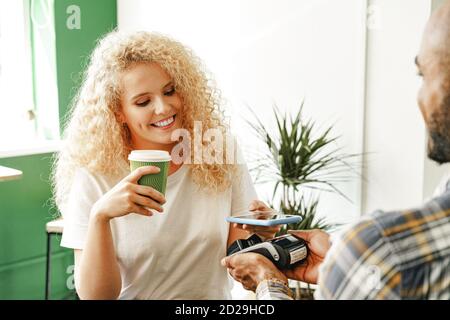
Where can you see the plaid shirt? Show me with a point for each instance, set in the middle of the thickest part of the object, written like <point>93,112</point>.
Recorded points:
<point>394,255</point>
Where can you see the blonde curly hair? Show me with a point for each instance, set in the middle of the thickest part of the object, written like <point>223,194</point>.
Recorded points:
<point>94,138</point>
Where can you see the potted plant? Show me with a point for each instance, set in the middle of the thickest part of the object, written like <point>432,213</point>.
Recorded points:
<point>301,162</point>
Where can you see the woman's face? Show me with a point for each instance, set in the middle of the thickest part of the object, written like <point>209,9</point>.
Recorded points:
<point>150,106</point>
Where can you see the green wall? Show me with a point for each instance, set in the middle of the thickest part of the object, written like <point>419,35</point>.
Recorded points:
<point>25,205</point>
<point>75,45</point>
<point>24,211</point>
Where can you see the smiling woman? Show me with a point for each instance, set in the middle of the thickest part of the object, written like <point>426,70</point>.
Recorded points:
<point>140,88</point>
<point>106,119</point>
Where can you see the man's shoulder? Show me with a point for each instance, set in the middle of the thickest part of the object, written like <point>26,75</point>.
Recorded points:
<point>361,236</point>
<point>399,232</point>
<point>357,254</point>
<point>385,244</point>
<point>404,231</point>
<point>409,221</point>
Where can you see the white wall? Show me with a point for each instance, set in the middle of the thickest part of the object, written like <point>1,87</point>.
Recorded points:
<point>305,50</point>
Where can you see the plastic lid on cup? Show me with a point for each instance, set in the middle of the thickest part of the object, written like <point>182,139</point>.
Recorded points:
<point>149,156</point>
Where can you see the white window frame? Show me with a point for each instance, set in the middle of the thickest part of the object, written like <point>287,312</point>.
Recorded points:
<point>18,126</point>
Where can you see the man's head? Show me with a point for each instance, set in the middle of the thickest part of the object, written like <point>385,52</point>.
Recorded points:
<point>433,62</point>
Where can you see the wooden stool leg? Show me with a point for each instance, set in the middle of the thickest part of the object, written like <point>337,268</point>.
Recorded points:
<point>47,267</point>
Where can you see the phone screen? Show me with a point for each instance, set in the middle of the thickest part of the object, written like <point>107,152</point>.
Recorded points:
<point>259,215</point>
<point>264,218</point>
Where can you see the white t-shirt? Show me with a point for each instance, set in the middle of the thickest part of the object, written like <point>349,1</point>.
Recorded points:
<point>174,255</point>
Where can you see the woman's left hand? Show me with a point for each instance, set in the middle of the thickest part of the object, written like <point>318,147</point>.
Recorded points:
<point>262,231</point>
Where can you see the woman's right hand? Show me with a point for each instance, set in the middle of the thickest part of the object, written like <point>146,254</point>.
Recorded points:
<point>129,197</point>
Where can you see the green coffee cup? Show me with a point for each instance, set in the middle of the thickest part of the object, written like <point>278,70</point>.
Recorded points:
<point>157,158</point>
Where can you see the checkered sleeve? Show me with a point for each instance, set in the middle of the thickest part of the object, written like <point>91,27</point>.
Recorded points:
<point>360,265</point>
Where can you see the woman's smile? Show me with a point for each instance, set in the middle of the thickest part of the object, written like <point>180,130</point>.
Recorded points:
<point>165,123</point>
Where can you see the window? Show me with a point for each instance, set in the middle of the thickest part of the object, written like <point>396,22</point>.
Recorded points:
<point>17,124</point>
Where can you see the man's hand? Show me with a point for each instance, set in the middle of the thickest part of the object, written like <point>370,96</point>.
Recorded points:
<point>318,243</point>
<point>252,268</point>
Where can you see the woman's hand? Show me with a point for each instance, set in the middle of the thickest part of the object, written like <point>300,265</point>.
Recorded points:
<point>250,269</point>
<point>262,231</point>
<point>129,197</point>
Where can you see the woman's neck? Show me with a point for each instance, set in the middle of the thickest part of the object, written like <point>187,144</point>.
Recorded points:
<point>174,167</point>
<point>152,146</point>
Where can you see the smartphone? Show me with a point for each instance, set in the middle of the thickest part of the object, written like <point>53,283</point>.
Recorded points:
<point>260,218</point>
